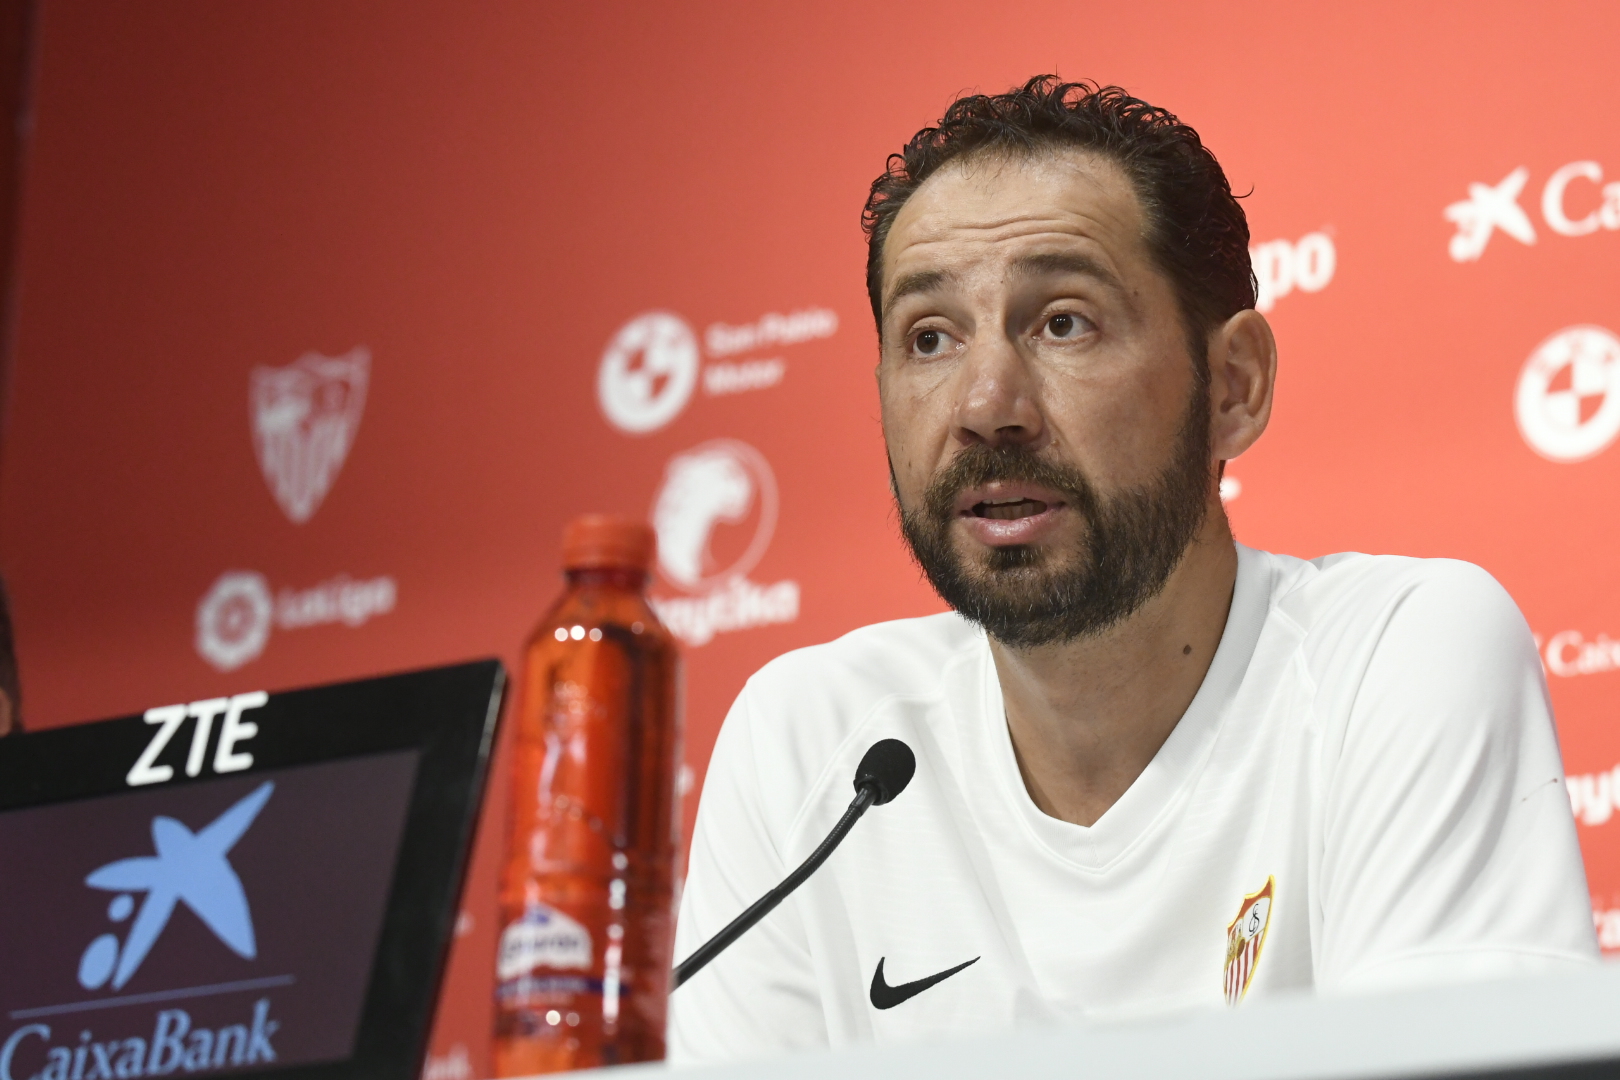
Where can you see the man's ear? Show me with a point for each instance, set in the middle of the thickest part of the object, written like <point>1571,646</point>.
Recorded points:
<point>1243,375</point>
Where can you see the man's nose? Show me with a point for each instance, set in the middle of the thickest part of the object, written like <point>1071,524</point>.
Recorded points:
<point>997,396</point>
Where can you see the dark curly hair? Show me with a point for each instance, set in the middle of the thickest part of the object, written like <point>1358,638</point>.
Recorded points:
<point>1195,229</point>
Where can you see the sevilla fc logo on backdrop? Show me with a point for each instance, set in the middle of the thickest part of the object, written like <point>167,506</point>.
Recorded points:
<point>1568,399</point>
<point>305,416</point>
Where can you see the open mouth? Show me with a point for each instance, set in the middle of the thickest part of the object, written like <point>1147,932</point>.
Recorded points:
<point>1009,510</point>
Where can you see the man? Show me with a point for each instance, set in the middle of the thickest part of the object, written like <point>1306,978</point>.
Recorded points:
<point>1155,768</point>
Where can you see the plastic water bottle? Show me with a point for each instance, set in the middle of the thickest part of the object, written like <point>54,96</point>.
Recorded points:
<point>587,896</point>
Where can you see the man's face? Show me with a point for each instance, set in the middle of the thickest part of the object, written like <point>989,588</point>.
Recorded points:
<point>1048,433</point>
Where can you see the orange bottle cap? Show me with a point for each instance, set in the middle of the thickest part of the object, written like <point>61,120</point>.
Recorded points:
<point>601,541</point>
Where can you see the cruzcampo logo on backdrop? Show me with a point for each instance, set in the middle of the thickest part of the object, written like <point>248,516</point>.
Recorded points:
<point>715,514</point>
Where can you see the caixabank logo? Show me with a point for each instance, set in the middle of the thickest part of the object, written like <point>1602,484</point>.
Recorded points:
<point>1575,201</point>
<point>716,513</point>
<point>196,928</point>
<point>653,365</point>
<point>1570,654</point>
<point>186,870</point>
<point>190,868</point>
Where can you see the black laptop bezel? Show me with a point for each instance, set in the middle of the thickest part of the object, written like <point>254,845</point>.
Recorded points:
<point>448,714</point>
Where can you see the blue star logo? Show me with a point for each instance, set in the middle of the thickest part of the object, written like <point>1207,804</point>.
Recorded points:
<point>189,868</point>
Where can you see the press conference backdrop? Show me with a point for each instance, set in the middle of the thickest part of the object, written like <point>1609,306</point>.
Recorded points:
<point>331,314</point>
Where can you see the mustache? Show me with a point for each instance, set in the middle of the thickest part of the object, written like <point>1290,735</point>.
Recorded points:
<point>980,464</point>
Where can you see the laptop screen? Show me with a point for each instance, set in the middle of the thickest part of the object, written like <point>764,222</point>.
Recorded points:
<point>197,929</point>
<point>167,920</point>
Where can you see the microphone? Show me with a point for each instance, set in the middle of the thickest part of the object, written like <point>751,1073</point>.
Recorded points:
<point>883,773</point>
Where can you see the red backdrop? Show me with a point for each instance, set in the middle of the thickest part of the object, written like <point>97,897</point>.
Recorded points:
<point>470,211</point>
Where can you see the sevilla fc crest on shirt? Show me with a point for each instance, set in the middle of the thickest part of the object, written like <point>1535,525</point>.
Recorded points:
<point>304,420</point>
<point>1245,937</point>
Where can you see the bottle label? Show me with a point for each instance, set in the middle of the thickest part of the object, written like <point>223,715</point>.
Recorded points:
<point>542,937</point>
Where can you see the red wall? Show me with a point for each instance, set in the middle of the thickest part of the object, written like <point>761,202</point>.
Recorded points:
<point>481,196</point>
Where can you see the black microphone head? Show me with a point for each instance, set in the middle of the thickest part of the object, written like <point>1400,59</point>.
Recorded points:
<point>888,767</point>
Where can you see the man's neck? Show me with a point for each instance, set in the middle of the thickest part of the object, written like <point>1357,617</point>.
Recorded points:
<point>1087,716</point>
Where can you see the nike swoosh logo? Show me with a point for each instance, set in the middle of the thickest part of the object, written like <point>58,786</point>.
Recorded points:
<point>885,996</point>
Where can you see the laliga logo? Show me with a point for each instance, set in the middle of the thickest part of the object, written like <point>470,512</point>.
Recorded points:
<point>305,416</point>
<point>1496,206</point>
<point>1568,400</point>
<point>235,616</point>
<point>719,483</point>
<point>647,372</point>
<point>189,868</point>
<point>233,620</point>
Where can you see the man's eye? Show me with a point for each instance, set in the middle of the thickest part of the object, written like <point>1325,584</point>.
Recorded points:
<point>1062,326</point>
<point>930,342</point>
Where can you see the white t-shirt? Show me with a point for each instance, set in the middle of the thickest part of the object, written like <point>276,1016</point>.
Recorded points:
<point>1365,793</point>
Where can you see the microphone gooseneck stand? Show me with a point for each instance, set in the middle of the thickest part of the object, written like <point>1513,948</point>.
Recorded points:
<point>883,773</point>
<point>762,907</point>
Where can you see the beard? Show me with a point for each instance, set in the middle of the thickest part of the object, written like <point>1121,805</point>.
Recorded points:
<point>1024,596</point>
